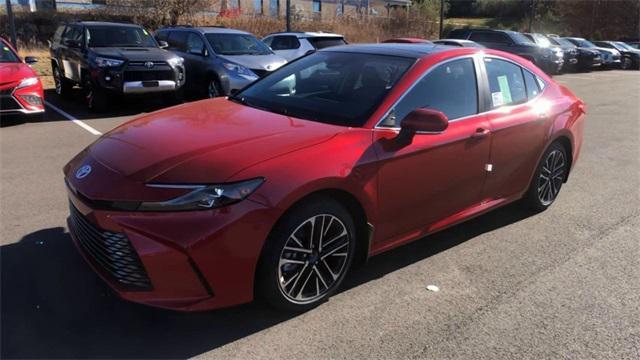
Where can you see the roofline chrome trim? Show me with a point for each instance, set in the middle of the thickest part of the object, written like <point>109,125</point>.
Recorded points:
<point>479,57</point>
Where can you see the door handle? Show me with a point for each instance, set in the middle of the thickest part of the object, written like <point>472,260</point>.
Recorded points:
<point>480,133</point>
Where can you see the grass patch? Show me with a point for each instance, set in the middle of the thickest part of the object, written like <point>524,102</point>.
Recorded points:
<point>43,66</point>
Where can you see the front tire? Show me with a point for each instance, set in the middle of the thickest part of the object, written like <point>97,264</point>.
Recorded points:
<point>63,86</point>
<point>547,181</point>
<point>627,63</point>
<point>213,89</point>
<point>96,98</point>
<point>307,255</point>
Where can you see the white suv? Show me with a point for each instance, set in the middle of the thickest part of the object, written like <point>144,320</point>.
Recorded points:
<point>292,45</point>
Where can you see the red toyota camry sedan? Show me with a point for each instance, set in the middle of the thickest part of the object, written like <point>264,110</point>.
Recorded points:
<point>277,191</point>
<point>20,88</point>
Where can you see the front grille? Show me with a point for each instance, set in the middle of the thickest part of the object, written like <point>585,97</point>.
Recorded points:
<point>9,103</point>
<point>148,75</point>
<point>111,251</point>
<point>260,72</point>
<point>8,91</point>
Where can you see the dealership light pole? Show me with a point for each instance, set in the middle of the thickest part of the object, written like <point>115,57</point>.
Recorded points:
<point>12,25</point>
<point>441,18</point>
<point>288,14</point>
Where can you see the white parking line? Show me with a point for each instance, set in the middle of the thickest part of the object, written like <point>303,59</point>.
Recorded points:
<point>73,119</point>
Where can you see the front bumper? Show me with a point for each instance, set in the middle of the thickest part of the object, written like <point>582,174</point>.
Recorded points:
<point>194,260</point>
<point>14,101</point>
<point>137,78</point>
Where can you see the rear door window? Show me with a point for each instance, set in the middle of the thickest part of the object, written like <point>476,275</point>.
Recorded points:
<point>506,82</point>
<point>533,88</point>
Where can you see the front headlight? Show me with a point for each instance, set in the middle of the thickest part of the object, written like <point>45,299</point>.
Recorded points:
<point>204,197</point>
<point>106,62</point>
<point>241,70</point>
<point>27,82</point>
<point>176,61</point>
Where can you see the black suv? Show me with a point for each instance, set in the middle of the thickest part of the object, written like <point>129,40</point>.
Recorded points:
<point>112,58</point>
<point>513,42</point>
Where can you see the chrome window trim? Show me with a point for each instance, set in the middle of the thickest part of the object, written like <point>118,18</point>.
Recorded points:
<point>478,61</point>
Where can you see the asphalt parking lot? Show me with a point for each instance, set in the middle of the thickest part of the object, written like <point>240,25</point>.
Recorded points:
<point>560,284</point>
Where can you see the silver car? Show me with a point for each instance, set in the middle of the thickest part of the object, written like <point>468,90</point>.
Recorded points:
<point>292,45</point>
<point>219,61</point>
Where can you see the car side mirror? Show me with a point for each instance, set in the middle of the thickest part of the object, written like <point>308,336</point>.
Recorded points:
<point>30,59</point>
<point>163,44</point>
<point>199,52</point>
<point>425,121</point>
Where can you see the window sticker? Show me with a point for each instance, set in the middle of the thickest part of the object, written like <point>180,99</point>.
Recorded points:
<point>504,89</point>
<point>496,98</point>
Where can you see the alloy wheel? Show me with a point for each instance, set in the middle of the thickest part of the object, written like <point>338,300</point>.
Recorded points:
<point>313,259</point>
<point>551,177</point>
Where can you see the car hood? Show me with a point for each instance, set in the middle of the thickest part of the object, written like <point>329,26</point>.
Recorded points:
<point>198,143</point>
<point>12,73</point>
<point>268,62</point>
<point>134,53</point>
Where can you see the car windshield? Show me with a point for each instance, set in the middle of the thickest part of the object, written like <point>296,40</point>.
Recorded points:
<point>622,46</point>
<point>542,40</point>
<point>7,55</point>
<point>331,87</point>
<point>584,43</point>
<point>563,42</point>
<point>237,44</point>
<point>519,38</point>
<point>125,36</point>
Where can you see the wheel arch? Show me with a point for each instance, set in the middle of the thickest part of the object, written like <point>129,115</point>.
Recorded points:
<point>364,230</point>
<point>566,143</point>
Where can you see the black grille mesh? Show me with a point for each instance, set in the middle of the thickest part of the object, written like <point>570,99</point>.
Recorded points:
<point>111,251</point>
<point>9,103</point>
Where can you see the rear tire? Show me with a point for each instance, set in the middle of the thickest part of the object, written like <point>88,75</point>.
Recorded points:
<point>548,178</point>
<point>307,255</point>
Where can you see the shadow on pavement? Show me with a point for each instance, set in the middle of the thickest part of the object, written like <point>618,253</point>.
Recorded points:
<point>53,305</point>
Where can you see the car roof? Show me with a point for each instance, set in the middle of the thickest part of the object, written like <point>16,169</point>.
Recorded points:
<point>307,34</point>
<point>207,30</point>
<point>104,23</point>
<point>395,49</point>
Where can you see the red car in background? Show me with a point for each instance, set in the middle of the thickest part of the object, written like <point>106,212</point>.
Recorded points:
<point>279,190</point>
<point>21,91</point>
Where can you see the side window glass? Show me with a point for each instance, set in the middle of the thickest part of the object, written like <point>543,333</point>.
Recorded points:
<point>195,45</point>
<point>162,36</point>
<point>268,41</point>
<point>57,37</point>
<point>506,83</point>
<point>450,88</point>
<point>533,88</point>
<point>177,41</point>
<point>73,33</point>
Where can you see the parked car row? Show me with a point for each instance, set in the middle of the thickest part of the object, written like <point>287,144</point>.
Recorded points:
<point>552,53</point>
<point>109,60</point>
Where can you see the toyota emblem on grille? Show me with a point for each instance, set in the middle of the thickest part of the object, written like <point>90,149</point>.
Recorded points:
<point>83,172</point>
<point>149,64</point>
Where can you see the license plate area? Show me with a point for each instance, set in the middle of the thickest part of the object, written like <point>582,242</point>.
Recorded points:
<point>150,84</point>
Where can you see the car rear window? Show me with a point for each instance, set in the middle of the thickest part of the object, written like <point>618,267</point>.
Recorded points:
<point>506,82</point>
<point>325,42</point>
